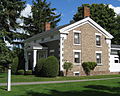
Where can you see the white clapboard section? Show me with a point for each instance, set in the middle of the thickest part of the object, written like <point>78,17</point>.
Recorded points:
<point>114,63</point>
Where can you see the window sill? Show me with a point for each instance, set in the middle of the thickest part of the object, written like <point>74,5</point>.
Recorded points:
<point>77,64</point>
<point>99,64</point>
<point>76,44</point>
<point>98,46</point>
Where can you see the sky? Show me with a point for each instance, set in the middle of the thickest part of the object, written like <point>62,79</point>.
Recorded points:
<point>67,8</point>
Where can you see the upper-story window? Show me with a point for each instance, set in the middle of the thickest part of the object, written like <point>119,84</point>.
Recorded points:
<point>98,40</point>
<point>76,38</point>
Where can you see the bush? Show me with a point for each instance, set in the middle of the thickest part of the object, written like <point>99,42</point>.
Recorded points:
<point>28,72</point>
<point>39,65</point>
<point>21,72</point>
<point>88,66</point>
<point>14,65</point>
<point>67,66</point>
<point>51,67</point>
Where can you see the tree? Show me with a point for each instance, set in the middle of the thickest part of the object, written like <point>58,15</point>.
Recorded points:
<point>100,13</point>
<point>67,66</point>
<point>41,13</point>
<point>116,31</point>
<point>5,54</point>
<point>51,67</point>
<point>39,65</point>
<point>88,66</point>
<point>10,11</point>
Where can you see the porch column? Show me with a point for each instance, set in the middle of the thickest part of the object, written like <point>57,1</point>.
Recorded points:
<point>61,53</point>
<point>26,59</point>
<point>34,59</point>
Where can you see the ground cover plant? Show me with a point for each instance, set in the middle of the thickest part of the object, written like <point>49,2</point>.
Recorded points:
<point>32,78</point>
<point>87,88</point>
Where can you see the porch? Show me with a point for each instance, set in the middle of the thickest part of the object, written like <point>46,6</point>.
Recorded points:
<point>32,53</point>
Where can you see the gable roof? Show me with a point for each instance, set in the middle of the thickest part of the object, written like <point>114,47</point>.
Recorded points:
<point>84,21</point>
<point>68,27</point>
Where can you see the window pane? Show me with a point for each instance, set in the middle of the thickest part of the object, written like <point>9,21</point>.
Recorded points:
<point>77,57</point>
<point>77,38</point>
<point>98,58</point>
<point>98,40</point>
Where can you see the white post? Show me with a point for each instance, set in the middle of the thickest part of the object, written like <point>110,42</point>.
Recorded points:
<point>61,52</point>
<point>34,59</point>
<point>9,80</point>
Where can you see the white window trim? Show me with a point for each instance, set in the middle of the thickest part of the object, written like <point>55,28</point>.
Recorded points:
<point>98,34</point>
<point>76,31</point>
<point>74,57</point>
<point>100,38</point>
<point>98,52</point>
<point>52,50</point>
<point>100,64</point>
<point>76,72</point>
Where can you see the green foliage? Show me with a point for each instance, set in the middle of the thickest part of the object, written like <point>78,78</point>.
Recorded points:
<point>39,65</point>
<point>116,31</point>
<point>67,66</point>
<point>5,54</point>
<point>42,13</point>
<point>10,11</point>
<point>28,72</point>
<point>14,65</point>
<point>51,67</point>
<point>100,13</point>
<point>88,66</point>
<point>20,72</point>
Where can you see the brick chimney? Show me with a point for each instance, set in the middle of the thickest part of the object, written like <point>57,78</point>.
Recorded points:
<point>86,11</point>
<point>47,26</point>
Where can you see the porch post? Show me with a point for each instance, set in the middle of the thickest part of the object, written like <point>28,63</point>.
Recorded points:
<point>34,59</point>
<point>26,59</point>
<point>61,53</point>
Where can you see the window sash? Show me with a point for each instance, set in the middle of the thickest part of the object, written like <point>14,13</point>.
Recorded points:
<point>77,57</point>
<point>98,40</point>
<point>76,38</point>
<point>98,58</point>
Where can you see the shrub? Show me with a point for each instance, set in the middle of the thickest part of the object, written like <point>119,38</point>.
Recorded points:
<point>21,72</point>
<point>14,65</point>
<point>88,66</point>
<point>28,72</point>
<point>39,65</point>
<point>51,67</point>
<point>67,66</point>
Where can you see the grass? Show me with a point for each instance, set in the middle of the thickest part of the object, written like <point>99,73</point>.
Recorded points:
<point>32,78</point>
<point>88,88</point>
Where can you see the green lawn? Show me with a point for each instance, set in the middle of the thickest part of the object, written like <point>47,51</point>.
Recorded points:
<point>88,88</point>
<point>32,78</point>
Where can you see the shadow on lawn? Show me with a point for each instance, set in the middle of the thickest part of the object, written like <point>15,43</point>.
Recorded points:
<point>97,90</point>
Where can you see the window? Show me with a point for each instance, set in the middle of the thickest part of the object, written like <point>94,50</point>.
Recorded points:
<point>76,38</point>
<point>116,61</point>
<point>98,58</point>
<point>52,52</point>
<point>77,57</point>
<point>52,37</point>
<point>42,39</point>
<point>98,40</point>
<point>76,73</point>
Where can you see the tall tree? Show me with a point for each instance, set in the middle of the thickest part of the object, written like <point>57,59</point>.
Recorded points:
<point>104,16</point>
<point>10,11</point>
<point>100,13</point>
<point>116,31</point>
<point>41,13</point>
